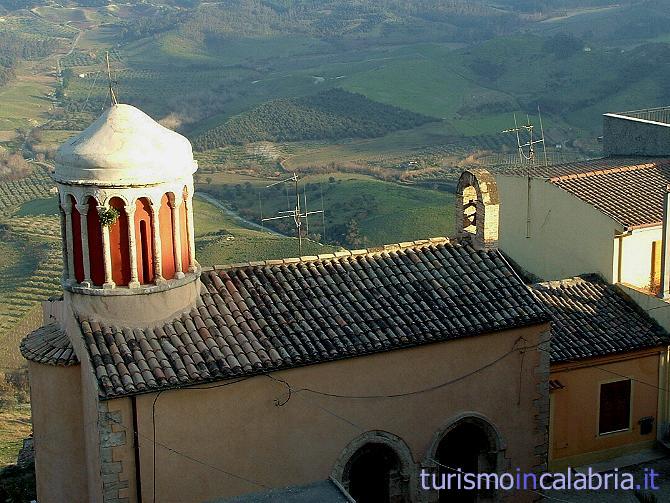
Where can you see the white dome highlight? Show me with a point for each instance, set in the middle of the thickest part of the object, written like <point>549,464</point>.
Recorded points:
<point>124,146</point>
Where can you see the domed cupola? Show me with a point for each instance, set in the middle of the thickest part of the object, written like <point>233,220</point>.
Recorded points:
<point>126,197</point>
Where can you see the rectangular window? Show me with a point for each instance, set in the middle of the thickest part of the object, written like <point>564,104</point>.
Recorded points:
<point>614,406</point>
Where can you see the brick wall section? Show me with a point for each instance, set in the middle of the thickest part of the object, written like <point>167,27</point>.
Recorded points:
<point>112,435</point>
<point>541,404</point>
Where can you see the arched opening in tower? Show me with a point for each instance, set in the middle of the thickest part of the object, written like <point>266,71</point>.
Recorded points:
<point>119,245</point>
<point>95,250</point>
<point>167,241</point>
<point>183,228</point>
<point>144,245</point>
<point>470,210</point>
<point>77,253</point>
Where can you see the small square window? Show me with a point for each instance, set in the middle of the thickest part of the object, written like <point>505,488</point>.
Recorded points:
<point>614,407</point>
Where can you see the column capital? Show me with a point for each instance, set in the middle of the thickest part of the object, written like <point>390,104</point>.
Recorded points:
<point>175,202</point>
<point>82,209</point>
<point>66,206</point>
<point>129,209</point>
<point>102,208</point>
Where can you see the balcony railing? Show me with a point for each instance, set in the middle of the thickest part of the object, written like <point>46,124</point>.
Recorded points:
<point>660,114</point>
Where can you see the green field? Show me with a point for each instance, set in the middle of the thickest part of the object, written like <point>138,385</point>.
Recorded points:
<point>221,240</point>
<point>385,212</point>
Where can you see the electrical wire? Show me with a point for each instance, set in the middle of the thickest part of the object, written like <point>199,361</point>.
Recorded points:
<point>408,393</point>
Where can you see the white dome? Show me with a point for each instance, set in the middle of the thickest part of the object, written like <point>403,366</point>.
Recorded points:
<point>124,146</point>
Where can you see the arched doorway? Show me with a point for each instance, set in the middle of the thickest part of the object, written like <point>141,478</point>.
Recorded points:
<point>377,467</point>
<point>374,475</point>
<point>471,446</point>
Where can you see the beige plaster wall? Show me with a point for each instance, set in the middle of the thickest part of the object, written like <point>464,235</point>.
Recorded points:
<point>60,464</point>
<point>568,237</point>
<point>238,428</point>
<point>157,306</point>
<point>575,409</point>
<point>636,258</point>
<point>657,308</point>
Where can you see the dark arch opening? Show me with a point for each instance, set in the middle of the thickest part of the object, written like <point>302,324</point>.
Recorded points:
<point>146,254</point>
<point>373,475</point>
<point>144,238</point>
<point>95,248</point>
<point>118,244</point>
<point>466,446</point>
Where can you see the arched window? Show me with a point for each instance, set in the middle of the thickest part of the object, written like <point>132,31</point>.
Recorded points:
<point>118,244</point>
<point>167,245</point>
<point>76,242</point>
<point>95,250</point>
<point>144,242</point>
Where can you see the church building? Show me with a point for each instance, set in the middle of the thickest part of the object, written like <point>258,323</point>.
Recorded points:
<point>156,379</point>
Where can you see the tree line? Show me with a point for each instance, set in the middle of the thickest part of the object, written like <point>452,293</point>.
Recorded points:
<point>330,114</point>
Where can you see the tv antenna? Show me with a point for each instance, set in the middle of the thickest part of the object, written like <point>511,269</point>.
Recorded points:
<point>112,96</point>
<point>526,150</point>
<point>298,214</point>
<point>527,155</point>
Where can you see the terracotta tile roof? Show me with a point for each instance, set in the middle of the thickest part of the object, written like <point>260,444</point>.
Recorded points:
<point>592,318</point>
<point>49,345</point>
<point>280,314</point>
<point>628,190</point>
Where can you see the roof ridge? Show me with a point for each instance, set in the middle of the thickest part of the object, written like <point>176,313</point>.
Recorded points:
<point>404,245</point>
<point>604,171</point>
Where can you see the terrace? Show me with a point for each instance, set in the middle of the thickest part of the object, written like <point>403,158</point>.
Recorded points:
<point>660,115</point>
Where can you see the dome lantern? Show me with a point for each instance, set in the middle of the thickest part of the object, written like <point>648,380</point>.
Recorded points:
<point>125,185</point>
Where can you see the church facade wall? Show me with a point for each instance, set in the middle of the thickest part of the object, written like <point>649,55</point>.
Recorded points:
<point>301,438</point>
<point>60,463</point>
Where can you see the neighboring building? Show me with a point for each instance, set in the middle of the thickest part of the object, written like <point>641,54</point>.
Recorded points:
<point>602,216</point>
<point>609,375</point>
<point>606,360</point>
<point>637,133</point>
<point>154,380</point>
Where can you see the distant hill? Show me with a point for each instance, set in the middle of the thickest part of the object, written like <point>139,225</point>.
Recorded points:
<point>331,114</point>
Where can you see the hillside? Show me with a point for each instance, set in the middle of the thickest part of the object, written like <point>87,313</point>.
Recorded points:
<point>331,114</point>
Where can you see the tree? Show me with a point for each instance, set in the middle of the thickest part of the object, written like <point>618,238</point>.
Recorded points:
<point>353,234</point>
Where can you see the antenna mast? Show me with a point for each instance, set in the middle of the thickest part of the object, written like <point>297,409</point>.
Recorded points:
<point>529,154</point>
<point>297,213</point>
<point>112,96</point>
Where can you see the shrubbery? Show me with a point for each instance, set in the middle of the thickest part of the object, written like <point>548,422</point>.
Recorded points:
<point>331,114</point>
